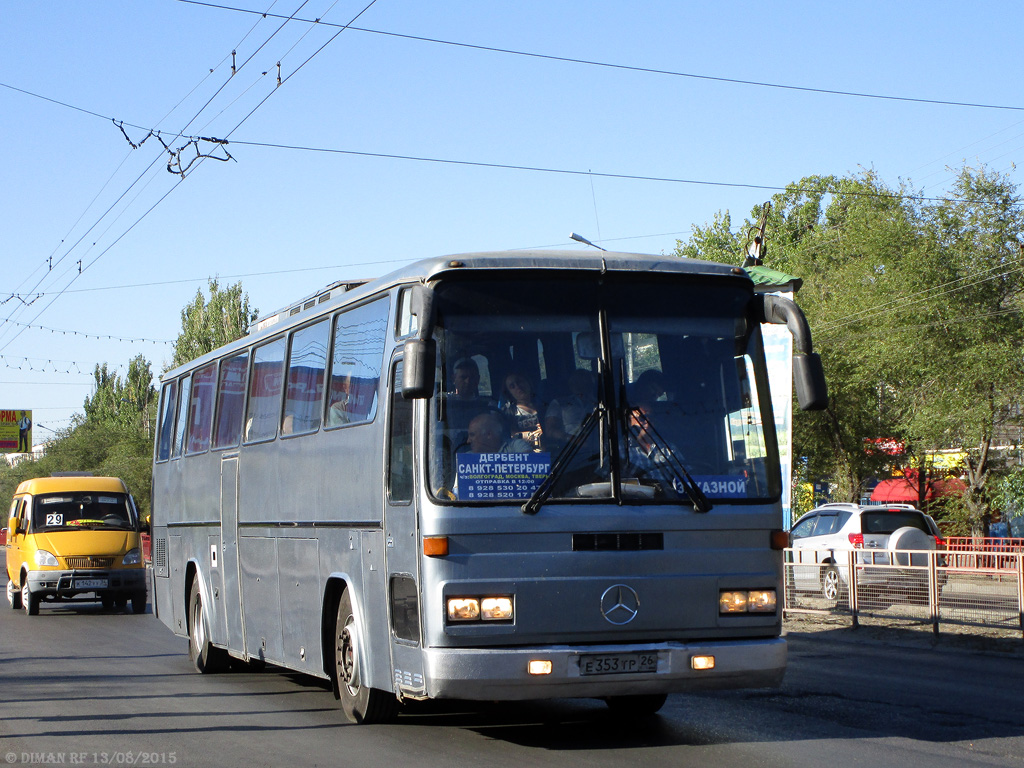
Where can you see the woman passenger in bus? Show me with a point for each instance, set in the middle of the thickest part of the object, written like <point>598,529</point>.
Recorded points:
<point>522,409</point>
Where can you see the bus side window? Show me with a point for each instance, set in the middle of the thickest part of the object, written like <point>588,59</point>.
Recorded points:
<point>357,357</point>
<point>307,364</point>
<point>399,441</point>
<point>230,401</point>
<point>265,386</point>
<point>183,402</point>
<point>200,414</point>
<point>167,404</point>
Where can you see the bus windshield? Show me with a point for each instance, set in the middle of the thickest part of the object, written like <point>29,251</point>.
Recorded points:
<point>614,387</point>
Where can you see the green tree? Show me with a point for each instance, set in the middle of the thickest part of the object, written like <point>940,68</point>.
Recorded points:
<point>915,310</point>
<point>207,324</point>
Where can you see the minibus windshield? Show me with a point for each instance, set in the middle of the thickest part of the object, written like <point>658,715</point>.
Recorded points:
<point>84,510</point>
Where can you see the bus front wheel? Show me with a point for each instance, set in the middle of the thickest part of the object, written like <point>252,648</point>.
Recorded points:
<point>360,703</point>
<point>205,656</point>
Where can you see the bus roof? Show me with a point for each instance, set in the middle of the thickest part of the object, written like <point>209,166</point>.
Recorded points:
<point>429,269</point>
<point>60,484</point>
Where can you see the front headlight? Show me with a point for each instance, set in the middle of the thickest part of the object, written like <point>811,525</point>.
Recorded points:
<point>747,601</point>
<point>134,557</point>
<point>45,559</point>
<point>479,608</point>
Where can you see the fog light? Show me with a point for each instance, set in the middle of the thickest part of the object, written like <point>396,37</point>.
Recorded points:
<point>761,601</point>
<point>540,667</point>
<point>702,662</point>
<point>732,602</point>
<point>496,608</point>
<point>463,609</point>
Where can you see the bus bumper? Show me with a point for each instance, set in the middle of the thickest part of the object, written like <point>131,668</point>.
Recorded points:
<point>503,673</point>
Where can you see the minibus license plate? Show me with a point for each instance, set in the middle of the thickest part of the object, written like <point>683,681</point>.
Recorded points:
<point>90,583</point>
<point>618,663</point>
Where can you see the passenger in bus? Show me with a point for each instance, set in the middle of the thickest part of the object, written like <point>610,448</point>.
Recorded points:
<point>466,401</point>
<point>565,415</point>
<point>487,434</point>
<point>648,459</point>
<point>522,409</point>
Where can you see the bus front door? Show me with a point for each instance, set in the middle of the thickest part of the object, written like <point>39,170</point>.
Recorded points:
<point>400,538</point>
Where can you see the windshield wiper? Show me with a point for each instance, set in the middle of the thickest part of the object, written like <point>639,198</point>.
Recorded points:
<point>544,490</point>
<point>672,462</point>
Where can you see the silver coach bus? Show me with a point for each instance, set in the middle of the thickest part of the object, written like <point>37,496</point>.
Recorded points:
<point>515,475</point>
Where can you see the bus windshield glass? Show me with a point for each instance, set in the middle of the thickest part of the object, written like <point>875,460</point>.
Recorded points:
<point>607,387</point>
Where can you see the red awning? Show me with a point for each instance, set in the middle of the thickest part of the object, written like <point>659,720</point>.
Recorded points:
<point>901,491</point>
<point>897,491</point>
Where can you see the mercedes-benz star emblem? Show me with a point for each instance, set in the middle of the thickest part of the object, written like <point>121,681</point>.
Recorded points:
<point>620,604</point>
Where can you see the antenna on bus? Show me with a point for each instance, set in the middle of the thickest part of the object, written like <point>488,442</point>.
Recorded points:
<point>582,239</point>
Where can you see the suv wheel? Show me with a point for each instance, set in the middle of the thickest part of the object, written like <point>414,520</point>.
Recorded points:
<point>832,587</point>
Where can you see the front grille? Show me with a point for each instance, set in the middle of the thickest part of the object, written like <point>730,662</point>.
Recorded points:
<point>84,561</point>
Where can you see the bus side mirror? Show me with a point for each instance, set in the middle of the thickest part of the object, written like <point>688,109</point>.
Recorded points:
<point>809,382</point>
<point>418,366</point>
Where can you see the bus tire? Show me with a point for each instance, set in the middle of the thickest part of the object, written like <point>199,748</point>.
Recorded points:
<point>13,595</point>
<point>638,705</point>
<point>29,601</point>
<point>360,703</point>
<point>206,658</point>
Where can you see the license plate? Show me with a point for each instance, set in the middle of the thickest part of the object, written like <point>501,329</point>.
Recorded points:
<point>90,583</point>
<point>618,663</point>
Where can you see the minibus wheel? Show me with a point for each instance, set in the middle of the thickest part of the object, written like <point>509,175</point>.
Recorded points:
<point>29,601</point>
<point>13,595</point>
<point>360,703</point>
<point>139,601</point>
<point>205,656</point>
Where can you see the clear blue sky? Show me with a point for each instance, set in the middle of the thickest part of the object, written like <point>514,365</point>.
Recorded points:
<point>286,222</point>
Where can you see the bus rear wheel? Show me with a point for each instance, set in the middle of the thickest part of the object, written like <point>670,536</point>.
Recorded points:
<point>206,658</point>
<point>360,703</point>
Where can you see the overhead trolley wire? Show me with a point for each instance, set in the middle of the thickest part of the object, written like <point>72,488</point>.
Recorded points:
<point>627,67</point>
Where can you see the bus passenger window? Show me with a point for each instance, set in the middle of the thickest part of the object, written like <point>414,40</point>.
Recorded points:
<point>183,402</point>
<point>307,364</point>
<point>201,409</point>
<point>356,361</point>
<point>230,401</point>
<point>168,402</point>
<point>265,386</point>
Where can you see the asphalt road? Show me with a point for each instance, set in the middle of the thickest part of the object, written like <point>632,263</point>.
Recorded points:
<point>80,686</point>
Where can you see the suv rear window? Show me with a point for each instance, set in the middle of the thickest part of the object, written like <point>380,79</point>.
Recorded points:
<point>890,520</point>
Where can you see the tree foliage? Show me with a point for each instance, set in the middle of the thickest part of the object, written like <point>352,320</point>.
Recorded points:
<point>207,324</point>
<point>915,306</point>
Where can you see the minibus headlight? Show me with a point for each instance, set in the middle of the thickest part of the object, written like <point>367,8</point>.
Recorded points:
<point>45,558</point>
<point>463,609</point>
<point>134,557</point>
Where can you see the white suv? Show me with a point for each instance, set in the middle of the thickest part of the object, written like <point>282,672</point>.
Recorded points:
<point>822,538</point>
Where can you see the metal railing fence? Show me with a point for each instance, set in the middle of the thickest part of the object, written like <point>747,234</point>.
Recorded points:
<point>928,586</point>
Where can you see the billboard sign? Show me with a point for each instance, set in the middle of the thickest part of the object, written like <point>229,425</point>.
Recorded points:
<point>16,431</point>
